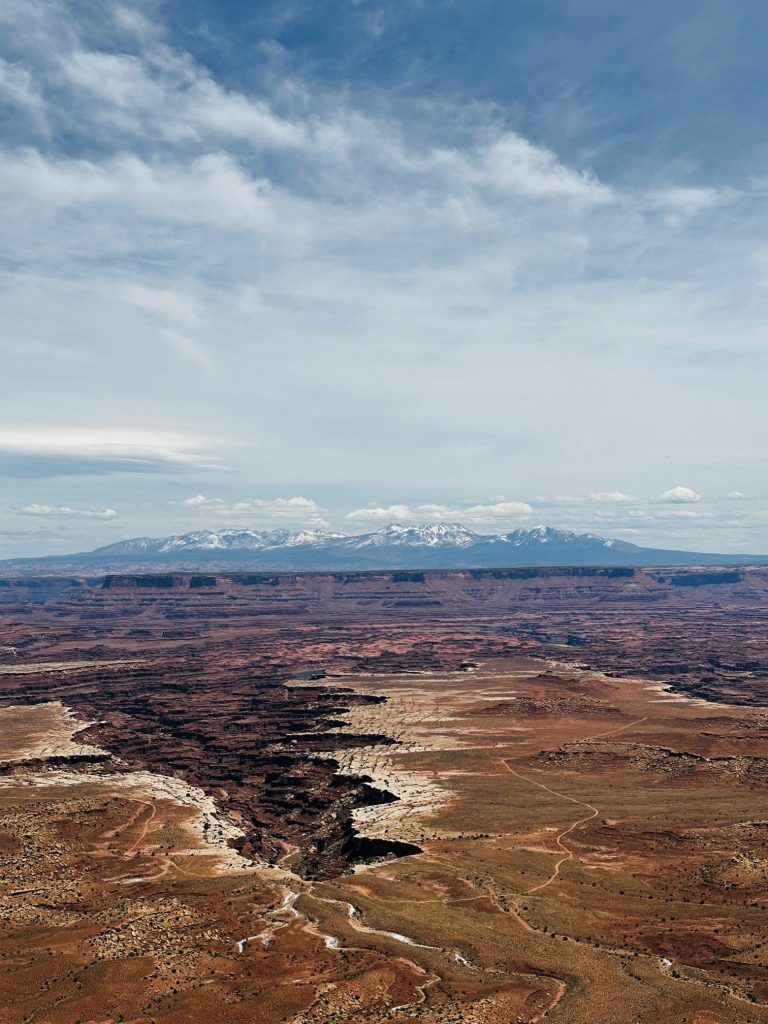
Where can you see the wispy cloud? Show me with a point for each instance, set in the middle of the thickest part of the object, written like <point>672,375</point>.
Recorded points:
<point>133,94</point>
<point>19,88</point>
<point>680,204</point>
<point>65,512</point>
<point>41,453</point>
<point>128,96</point>
<point>210,190</point>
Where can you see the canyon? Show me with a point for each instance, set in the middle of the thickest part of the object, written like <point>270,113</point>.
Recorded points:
<point>478,795</point>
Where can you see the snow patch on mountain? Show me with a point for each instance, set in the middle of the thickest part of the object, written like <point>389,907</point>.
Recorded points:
<point>426,535</point>
<point>223,540</point>
<point>548,535</point>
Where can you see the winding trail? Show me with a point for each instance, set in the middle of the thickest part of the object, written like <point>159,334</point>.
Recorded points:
<point>132,849</point>
<point>567,853</point>
<point>99,848</point>
<point>562,988</point>
<point>593,811</point>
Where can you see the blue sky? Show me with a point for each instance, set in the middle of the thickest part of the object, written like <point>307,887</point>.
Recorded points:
<point>343,263</point>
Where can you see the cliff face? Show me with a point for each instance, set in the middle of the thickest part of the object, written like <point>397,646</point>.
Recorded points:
<point>454,589</point>
<point>256,745</point>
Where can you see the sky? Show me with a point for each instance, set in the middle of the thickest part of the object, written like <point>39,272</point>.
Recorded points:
<point>343,263</point>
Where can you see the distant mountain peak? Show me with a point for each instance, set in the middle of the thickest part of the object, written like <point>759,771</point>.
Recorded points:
<point>550,535</point>
<point>419,535</point>
<point>437,537</point>
<point>442,545</point>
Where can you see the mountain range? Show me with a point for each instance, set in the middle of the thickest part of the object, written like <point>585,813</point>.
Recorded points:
<point>435,546</point>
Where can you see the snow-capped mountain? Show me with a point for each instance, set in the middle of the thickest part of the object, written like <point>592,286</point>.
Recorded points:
<point>208,540</point>
<point>561,540</point>
<point>424,546</point>
<point>439,535</point>
<point>435,535</point>
<point>220,540</point>
<point>299,538</point>
<point>548,535</point>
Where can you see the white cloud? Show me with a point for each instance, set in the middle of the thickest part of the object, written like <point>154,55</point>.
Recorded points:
<point>55,452</point>
<point>204,504</point>
<point>681,204</point>
<point>513,164</point>
<point>499,510</point>
<point>419,513</point>
<point>683,514</point>
<point>165,92</point>
<point>129,19</point>
<point>65,512</point>
<point>288,509</point>
<point>211,190</point>
<point>679,495</point>
<point>390,513</point>
<point>19,87</point>
<point>131,94</point>
<point>612,497</point>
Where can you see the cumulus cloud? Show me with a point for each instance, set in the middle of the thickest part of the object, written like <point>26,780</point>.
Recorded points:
<point>289,509</point>
<point>498,510</point>
<point>390,513</point>
<point>677,495</point>
<point>470,514</point>
<point>617,497</point>
<point>65,512</point>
